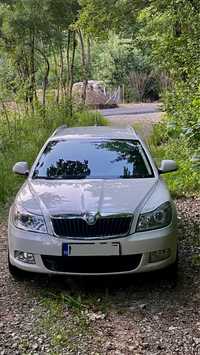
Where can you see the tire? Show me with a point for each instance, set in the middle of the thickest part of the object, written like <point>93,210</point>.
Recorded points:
<point>17,273</point>
<point>171,272</point>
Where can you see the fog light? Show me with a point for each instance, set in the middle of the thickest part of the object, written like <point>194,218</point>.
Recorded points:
<point>24,257</point>
<point>159,255</point>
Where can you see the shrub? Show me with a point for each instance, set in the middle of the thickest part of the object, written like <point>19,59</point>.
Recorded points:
<point>22,135</point>
<point>164,145</point>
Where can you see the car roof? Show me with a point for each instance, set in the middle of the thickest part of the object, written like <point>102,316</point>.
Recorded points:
<point>94,132</point>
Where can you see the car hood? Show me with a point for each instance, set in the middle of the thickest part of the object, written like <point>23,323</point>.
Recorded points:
<point>79,197</point>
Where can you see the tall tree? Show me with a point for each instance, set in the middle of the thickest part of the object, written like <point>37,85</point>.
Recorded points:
<point>31,31</point>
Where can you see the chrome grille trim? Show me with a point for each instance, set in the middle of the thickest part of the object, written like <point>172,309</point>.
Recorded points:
<point>76,226</point>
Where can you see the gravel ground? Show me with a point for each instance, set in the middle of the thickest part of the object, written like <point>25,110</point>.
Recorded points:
<point>139,315</point>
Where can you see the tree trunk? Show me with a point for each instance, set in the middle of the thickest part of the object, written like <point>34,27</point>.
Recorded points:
<point>45,81</point>
<point>6,115</point>
<point>57,76</point>
<point>46,75</point>
<point>61,71</point>
<point>84,63</point>
<point>68,63</point>
<point>72,69</point>
<point>32,71</point>
<point>89,60</point>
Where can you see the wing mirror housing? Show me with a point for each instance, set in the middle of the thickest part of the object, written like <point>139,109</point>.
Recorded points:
<point>21,168</point>
<point>167,166</point>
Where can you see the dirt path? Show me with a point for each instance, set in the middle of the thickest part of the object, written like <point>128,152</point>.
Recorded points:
<point>137,315</point>
<point>133,109</point>
<point>141,115</point>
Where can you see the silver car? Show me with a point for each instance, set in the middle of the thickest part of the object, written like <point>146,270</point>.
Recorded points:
<point>93,203</point>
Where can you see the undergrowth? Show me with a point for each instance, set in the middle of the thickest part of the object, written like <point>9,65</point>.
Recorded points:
<point>22,135</point>
<point>165,145</point>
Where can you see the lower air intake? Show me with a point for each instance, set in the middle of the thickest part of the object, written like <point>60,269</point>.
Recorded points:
<point>91,264</point>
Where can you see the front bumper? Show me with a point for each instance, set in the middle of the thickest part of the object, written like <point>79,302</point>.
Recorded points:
<point>142,244</point>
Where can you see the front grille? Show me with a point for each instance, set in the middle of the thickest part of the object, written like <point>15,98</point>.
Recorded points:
<point>91,264</point>
<point>79,228</point>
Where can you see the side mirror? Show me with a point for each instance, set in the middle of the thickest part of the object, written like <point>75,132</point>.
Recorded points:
<point>167,166</point>
<point>21,168</point>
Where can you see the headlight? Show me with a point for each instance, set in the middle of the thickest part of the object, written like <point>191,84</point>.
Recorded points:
<point>25,220</point>
<point>159,218</point>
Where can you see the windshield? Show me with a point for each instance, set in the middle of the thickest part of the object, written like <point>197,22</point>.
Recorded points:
<point>93,159</point>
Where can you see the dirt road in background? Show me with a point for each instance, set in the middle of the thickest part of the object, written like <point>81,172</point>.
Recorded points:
<point>144,114</point>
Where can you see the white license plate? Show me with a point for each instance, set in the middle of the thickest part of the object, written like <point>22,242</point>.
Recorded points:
<point>90,249</point>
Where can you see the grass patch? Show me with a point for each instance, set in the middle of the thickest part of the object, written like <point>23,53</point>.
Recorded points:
<point>68,320</point>
<point>184,182</point>
<point>22,135</point>
<point>64,321</point>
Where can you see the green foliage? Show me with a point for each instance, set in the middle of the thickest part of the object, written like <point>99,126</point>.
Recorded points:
<point>171,29</point>
<point>147,46</point>
<point>183,108</point>
<point>33,35</point>
<point>98,17</point>
<point>185,181</point>
<point>23,133</point>
<point>36,37</point>
<point>113,62</point>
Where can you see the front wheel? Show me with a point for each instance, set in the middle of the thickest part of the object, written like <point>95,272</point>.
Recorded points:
<point>17,273</point>
<point>171,272</point>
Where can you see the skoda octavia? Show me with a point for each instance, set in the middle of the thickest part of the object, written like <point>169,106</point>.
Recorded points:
<point>93,203</point>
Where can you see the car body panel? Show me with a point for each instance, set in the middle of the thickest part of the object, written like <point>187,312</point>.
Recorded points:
<point>102,196</point>
<point>44,244</point>
<point>79,196</point>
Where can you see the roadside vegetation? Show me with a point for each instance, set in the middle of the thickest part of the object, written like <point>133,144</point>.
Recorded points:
<point>164,144</point>
<point>150,50</point>
<point>22,135</point>
<point>166,35</point>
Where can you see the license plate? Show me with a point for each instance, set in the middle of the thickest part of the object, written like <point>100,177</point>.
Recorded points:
<point>90,249</point>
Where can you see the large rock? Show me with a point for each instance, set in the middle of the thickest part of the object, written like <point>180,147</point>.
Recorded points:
<point>96,94</point>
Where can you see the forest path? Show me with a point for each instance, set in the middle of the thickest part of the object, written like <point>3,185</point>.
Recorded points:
<point>141,115</point>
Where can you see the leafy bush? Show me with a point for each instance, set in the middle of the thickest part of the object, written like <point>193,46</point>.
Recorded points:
<point>171,30</point>
<point>183,106</point>
<point>22,135</point>
<point>164,145</point>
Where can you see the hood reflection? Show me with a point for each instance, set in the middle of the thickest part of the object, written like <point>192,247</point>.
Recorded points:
<point>103,196</point>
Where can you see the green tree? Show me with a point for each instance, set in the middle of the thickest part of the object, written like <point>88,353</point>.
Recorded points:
<point>172,31</point>
<point>31,32</point>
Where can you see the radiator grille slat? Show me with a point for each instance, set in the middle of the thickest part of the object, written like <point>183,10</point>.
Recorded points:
<point>79,228</point>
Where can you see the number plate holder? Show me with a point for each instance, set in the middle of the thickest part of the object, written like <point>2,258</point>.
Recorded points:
<point>91,249</point>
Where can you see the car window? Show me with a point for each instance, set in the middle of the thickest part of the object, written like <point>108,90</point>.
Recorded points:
<point>93,159</point>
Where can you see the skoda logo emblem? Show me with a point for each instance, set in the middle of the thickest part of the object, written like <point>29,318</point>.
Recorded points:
<point>91,218</point>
